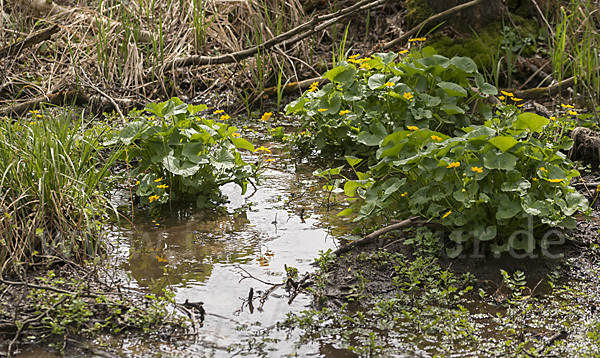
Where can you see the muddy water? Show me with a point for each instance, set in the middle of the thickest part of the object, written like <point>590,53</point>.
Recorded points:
<point>207,256</point>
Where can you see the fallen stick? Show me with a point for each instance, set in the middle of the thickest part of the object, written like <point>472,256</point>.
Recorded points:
<point>15,48</point>
<point>541,92</point>
<point>374,235</point>
<point>292,36</point>
<point>61,98</point>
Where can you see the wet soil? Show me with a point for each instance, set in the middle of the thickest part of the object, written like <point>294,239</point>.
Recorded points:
<point>485,268</point>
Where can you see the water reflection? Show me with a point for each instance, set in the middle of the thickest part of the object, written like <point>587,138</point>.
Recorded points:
<point>199,254</point>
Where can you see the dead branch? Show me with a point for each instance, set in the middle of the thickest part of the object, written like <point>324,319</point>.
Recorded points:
<point>541,92</point>
<point>374,235</point>
<point>434,18</point>
<point>17,47</point>
<point>292,36</point>
<point>61,98</point>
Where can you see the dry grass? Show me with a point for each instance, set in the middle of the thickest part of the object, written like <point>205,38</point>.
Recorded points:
<point>120,47</point>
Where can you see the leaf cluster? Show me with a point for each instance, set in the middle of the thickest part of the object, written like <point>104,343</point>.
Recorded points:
<point>182,156</point>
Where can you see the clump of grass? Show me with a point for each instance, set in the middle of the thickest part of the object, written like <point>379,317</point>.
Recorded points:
<point>574,49</point>
<point>51,183</point>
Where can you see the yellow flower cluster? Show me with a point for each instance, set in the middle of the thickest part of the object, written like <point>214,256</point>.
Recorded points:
<point>344,112</point>
<point>225,117</point>
<point>555,180</point>
<point>567,106</point>
<point>510,95</point>
<point>436,138</point>
<point>162,186</point>
<point>322,109</point>
<point>159,179</point>
<point>453,165</point>
<point>477,169</point>
<point>389,84</point>
<point>403,52</point>
<point>153,198</point>
<point>408,96</point>
<point>264,149</point>
<point>358,61</point>
<point>235,135</point>
<point>412,128</point>
<point>265,117</point>
<point>219,111</point>
<point>365,66</point>
<point>37,114</point>
<point>313,87</point>
<point>404,194</point>
<point>446,214</point>
<point>417,39</point>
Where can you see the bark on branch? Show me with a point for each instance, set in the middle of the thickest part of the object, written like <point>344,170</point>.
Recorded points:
<point>17,47</point>
<point>292,36</point>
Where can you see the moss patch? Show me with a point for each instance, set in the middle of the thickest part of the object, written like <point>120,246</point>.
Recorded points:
<point>485,48</point>
<point>417,11</point>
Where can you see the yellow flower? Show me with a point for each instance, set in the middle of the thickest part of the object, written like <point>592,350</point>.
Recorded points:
<point>508,94</point>
<point>225,117</point>
<point>265,117</point>
<point>408,96</point>
<point>344,112</point>
<point>160,259</point>
<point>162,186</point>
<point>159,179</point>
<point>322,109</point>
<point>567,106</point>
<point>464,191</point>
<point>543,169</point>
<point>573,113</point>
<point>219,111</point>
<point>153,198</point>
<point>389,84</point>
<point>34,122</point>
<point>34,112</point>
<point>517,99</point>
<point>355,56</point>
<point>453,165</point>
<point>446,214</point>
<point>264,149</point>
<point>404,194</point>
<point>502,98</point>
<point>555,180</point>
<point>137,182</point>
<point>270,160</point>
<point>39,115</point>
<point>417,39</point>
<point>403,52</point>
<point>412,128</point>
<point>365,66</point>
<point>552,118</point>
<point>535,179</point>
<point>520,105</point>
<point>235,135</point>
<point>313,86</point>
<point>477,169</point>
<point>436,138</point>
